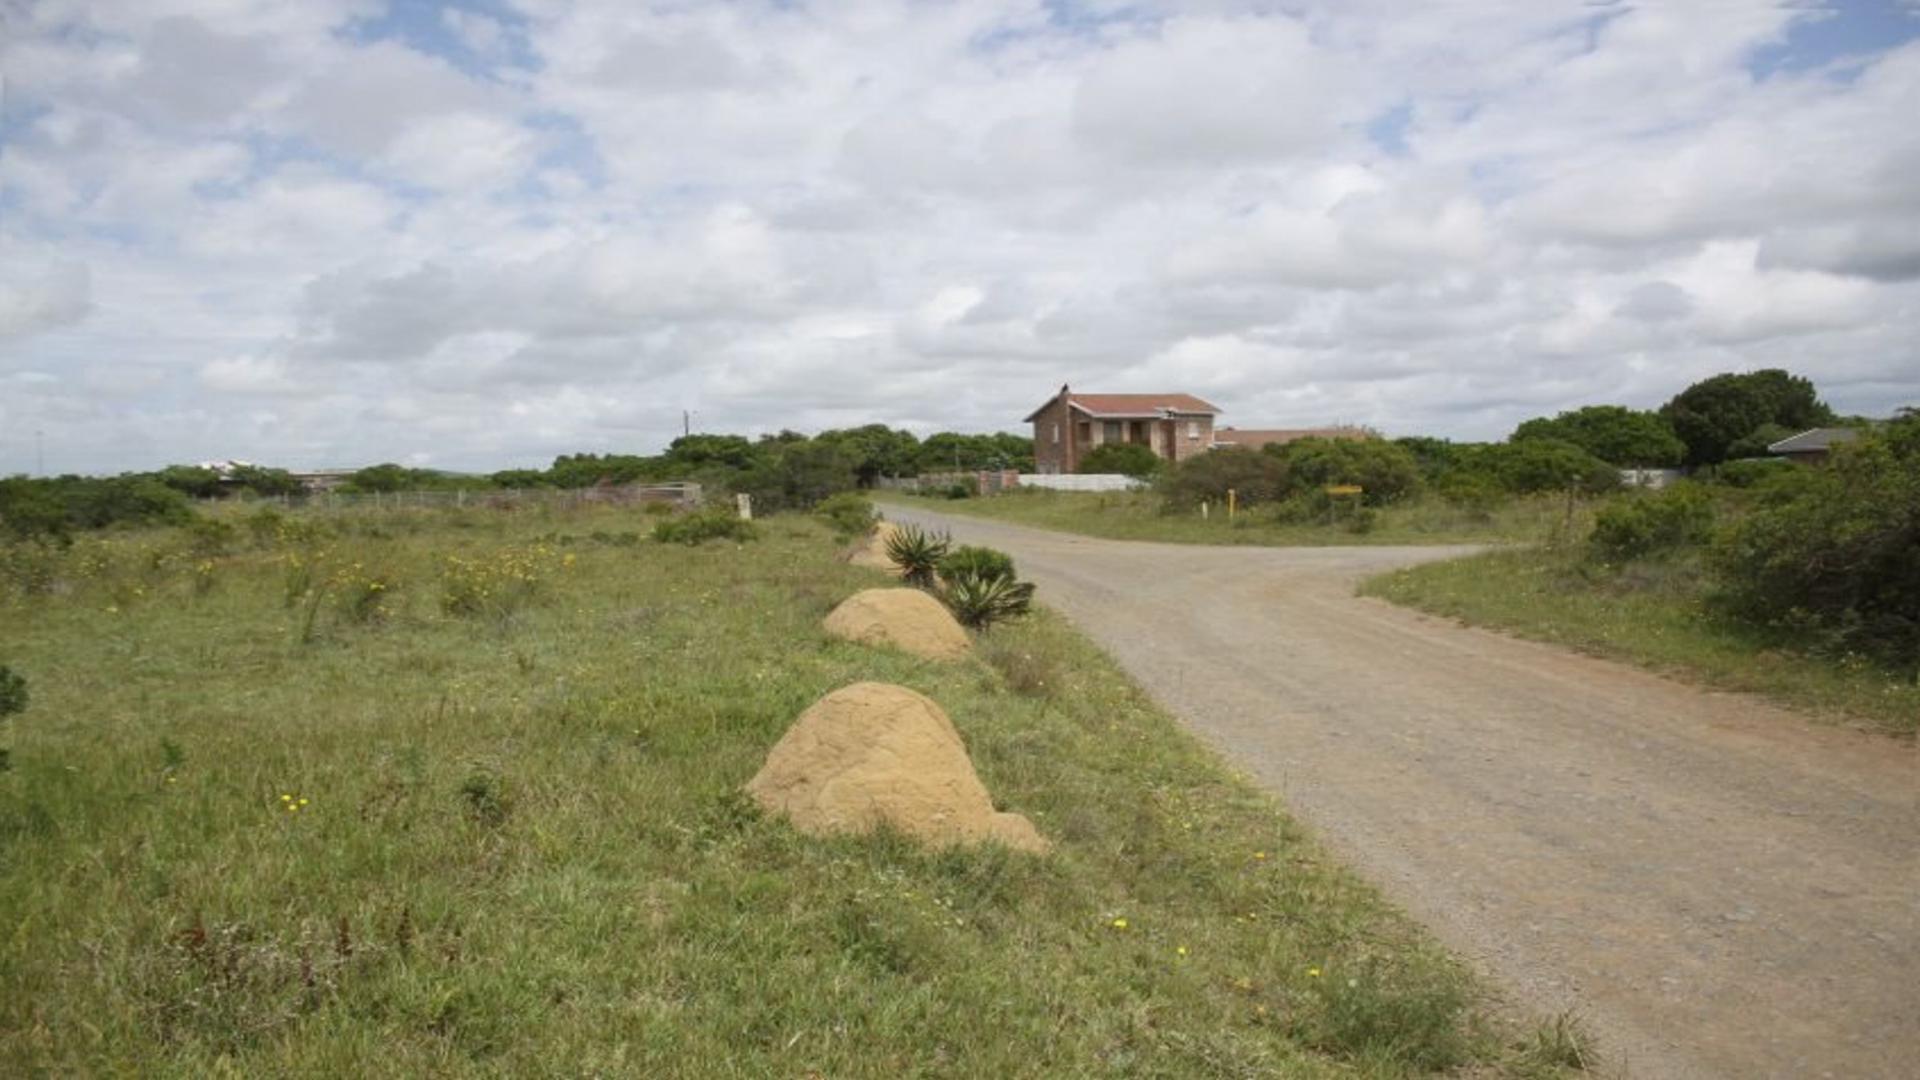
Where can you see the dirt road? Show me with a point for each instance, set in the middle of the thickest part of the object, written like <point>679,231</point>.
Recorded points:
<point>1719,887</point>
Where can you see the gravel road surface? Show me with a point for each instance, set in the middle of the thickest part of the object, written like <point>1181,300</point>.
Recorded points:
<point>1719,887</point>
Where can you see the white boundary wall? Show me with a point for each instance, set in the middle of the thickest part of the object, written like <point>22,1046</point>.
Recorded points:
<point>1081,481</point>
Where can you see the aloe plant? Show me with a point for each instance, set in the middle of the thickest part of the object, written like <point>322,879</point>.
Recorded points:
<point>917,553</point>
<point>980,599</point>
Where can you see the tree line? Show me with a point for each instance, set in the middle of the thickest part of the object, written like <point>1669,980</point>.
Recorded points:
<point>787,470</point>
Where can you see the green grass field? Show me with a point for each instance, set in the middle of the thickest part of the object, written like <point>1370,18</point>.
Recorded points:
<point>1138,516</point>
<point>329,803</point>
<point>1654,615</point>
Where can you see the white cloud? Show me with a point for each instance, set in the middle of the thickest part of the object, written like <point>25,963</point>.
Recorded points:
<point>34,297</point>
<point>587,217</point>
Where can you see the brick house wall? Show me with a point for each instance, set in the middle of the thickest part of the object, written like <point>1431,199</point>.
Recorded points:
<point>1054,448</point>
<point>1186,437</point>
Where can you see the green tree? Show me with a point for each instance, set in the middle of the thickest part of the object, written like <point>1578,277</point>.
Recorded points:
<point>262,480</point>
<point>1711,415</point>
<point>946,451</point>
<point>1125,459</point>
<point>876,451</point>
<point>1532,465</point>
<point>1754,443</point>
<point>1434,456</point>
<point>694,451</point>
<point>588,470</point>
<point>384,477</point>
<point>191,480</point>
<point>1620,436</point>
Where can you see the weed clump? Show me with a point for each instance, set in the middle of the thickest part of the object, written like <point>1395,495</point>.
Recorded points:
<point>486,798</point>
<point>499,584</point>
<point>848,514</point>
<point>713,523</point>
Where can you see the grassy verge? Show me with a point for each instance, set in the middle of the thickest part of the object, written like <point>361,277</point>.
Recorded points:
<point>1649,614</point>
<point>456,793</point>
<point>1138,516</point>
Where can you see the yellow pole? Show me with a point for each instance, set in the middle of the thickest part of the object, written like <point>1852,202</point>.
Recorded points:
<point>1232,503</point>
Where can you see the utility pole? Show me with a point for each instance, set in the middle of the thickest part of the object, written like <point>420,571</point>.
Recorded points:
<point>686,422</point>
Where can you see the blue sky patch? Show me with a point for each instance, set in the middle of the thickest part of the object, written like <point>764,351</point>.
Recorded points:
<point>1846,29</point>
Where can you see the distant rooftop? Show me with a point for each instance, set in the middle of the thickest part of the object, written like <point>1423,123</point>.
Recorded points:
<point>1820,438</point>
<point>1133,406</point>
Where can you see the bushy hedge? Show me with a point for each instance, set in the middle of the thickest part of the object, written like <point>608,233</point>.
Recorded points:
<point>1648,523</point>
<point>848,514</point>
<point>713,523</point>
<point>1253,476</point>
<point>984,562</point>
<point>1386,472</point>
<point>1124,459</point>
<point>1833,552</point>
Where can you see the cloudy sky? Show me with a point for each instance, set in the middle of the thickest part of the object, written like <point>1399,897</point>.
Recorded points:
<point>480,234</point>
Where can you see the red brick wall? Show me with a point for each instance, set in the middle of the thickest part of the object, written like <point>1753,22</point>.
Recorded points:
<point>1049,455</point>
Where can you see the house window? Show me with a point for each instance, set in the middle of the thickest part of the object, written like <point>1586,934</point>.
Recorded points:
<point>1193,429</point>
<point>1056,434</point>
<point>1110,431</point>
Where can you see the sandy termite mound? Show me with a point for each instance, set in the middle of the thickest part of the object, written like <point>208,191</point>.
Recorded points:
<point>872,753</point>
<point>905,619</point>
<point>871,550</point>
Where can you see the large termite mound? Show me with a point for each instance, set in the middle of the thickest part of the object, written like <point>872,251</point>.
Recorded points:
<point>905,619</point>
<point>872,753</point>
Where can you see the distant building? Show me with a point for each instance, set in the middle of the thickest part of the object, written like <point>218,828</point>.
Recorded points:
<point>318,480</point>
<point>1812,446</point>
<point>1174,426</point>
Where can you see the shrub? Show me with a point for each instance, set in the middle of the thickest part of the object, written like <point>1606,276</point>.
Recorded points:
<point>848,514</point>
<point>363,597</point>
<point>979,600</point>
<point>1752,472</point>
<point>1834,552</point>
<point>13,699</point>
<point>1533,465</point>
<point>29,510</point>
<point>917,553</point>
<point>13,692</point>
<point>1125,459</point>
<point>209,536</point>
<point>500,584</point>
<point>264,526</point>
<point>1384,471</point>
<point>1639,525</point>
<point>958,490</point>
<point>1253,476</point>
<point>1477,494</point>
<point>713,523</point>
<point>977,561</point>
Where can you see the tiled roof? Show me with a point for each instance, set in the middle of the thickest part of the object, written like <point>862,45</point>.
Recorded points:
<point>1131,406</point>
<point>1139,404</point>
<point>1820,438</point>
<point>1254,439</point>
